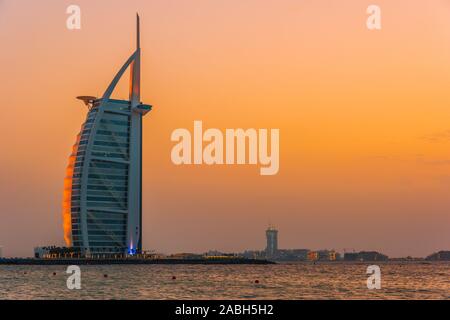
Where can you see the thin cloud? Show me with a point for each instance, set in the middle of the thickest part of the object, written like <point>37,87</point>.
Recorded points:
<point>441,162</point>
<point>443,136</point>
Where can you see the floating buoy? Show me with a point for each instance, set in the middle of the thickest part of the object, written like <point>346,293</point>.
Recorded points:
<point>174,278</point>
<point>105,276</point>
<point>54,273</point>
<point>256,281</point>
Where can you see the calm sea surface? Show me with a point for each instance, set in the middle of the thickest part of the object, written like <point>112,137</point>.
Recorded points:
<point>281,281</point>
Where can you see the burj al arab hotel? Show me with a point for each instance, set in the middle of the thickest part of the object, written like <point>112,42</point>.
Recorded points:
<point>102,207</point>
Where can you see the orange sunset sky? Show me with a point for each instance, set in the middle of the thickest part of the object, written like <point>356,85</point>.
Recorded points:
<point>364,119</point>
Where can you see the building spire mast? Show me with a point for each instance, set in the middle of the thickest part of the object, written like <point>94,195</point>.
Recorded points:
<point>135,86</point>
<point>138,33</point>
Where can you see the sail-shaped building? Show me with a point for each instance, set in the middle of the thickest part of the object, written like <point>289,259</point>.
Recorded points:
<point>102,207</point>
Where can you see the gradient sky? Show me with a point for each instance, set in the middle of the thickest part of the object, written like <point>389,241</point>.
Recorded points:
<point>364,119</point>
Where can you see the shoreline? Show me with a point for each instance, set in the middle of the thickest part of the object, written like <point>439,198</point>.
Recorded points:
<point>216,261</point>
<point>68,261</point>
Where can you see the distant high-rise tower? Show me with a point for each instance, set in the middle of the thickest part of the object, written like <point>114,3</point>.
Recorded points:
<point>272,241</point>
<point>102,207</point>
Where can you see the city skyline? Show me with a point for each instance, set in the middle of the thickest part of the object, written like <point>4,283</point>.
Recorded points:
<point>364,120</point>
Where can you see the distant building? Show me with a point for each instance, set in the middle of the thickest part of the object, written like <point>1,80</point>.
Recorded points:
<point>439,256</point>
<point>300,254</point>
<point>273,253</point>
<point>365,256</point>
<point>350,256</point>
<point>53,252</point>
<point>337,256</point>
<point>313,256</point>
<point>272,242</point>
<point>42,252</point>
<point>372,256</point>
<point>252,254</point>
<point>292,254</point>
<point>327,255</point>
<point>214,253</point>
